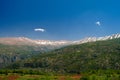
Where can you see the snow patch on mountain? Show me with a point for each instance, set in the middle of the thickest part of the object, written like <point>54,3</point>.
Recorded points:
<point>93,39</point>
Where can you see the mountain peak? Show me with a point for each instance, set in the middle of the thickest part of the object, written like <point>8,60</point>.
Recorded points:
<point>93,39</point>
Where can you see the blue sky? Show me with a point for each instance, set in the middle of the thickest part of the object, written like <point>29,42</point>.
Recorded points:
<point>60,19</point>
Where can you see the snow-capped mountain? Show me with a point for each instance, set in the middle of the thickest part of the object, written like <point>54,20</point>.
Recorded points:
<point>48,42</point>
<point>27,41</point>
<point>93,39</point>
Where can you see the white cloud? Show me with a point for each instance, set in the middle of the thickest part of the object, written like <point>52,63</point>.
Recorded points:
<point>98,23</point>
<point>39,29</point>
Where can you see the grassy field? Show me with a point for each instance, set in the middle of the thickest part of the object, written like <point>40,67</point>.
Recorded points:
<point>15,76</point>
<point>38,77</point>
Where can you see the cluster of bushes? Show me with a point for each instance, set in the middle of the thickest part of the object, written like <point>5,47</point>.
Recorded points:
<point>101,75</point>
<point>87,75</point>
<point>24,71</point>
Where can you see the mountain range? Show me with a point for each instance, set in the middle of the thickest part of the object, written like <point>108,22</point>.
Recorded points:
<point>74,59</point>
<point>30,42</point>
<point>21,48</point>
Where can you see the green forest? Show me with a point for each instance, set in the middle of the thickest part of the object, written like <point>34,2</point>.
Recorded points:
<point>98,60</point>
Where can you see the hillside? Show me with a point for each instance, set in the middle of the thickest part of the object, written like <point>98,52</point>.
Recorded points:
<point>100,55</point>
<point>19,48</point>
<point>13,53</point>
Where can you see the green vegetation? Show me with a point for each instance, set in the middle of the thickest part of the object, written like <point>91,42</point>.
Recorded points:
<point>101,55</point>
<point>91,61</point>
<point>32,74</point>
<point>101,75</point>
<point>37,77</point>
<point>12,53</point>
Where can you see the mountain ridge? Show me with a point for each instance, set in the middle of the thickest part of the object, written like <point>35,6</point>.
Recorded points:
<point>99,55</point>
<point>27,41</point>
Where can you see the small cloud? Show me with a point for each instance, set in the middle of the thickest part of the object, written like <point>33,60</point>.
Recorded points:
<point>39,29</point>
<point>98,23</point>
